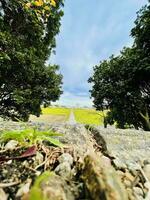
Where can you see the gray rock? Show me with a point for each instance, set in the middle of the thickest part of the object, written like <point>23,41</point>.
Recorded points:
<point>63,170</point>
<point>11,145</point>
<point>147,171</point>
<point>39,158</point>
<point>138,191</point>
<point>119,164</point>
<point>65,157</point>
<point>146,162</point>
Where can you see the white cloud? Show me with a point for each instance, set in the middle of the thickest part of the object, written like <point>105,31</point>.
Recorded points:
<point>87,37</point>
<point>69,99</point>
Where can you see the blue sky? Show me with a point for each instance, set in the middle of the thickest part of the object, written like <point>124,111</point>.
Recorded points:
<point>92,30</point>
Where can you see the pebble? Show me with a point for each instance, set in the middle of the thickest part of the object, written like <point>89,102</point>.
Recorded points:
<point>64,168</point>
<point>39,158</point>
<point>24,189</point>
<point>66,157</point>
<point>11,145</point>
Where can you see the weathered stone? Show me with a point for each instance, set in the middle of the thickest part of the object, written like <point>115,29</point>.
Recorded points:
<point>146,162</point>
<point>39,158</point>
<point>11,145</point>
<point>65,157</point>
<point>24,189</point>
<point>106,162</point>
<point>63,170</point>
<point>129,176</point>
<point>127,183</point>
<point>147,171</point>
<point>101,182</point>
<point>120,173</point>
<point>119,164</point>
<point>138,191</point>
<point>55,188</point>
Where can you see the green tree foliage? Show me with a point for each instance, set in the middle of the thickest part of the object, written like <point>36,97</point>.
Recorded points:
<point>27,38</point>
<point>122,83</point>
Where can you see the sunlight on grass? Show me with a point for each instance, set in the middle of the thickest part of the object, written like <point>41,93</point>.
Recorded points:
<point>88,116</point>
<point>56,111</point>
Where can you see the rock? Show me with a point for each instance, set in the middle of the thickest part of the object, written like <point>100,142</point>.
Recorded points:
<point>102,182</point>
<point>39,158</point>
<point>119,164</point>
<point>147,171</point>
<point>138,191</point>
<point>24,189</point>
<point>133,167</point>
<point>106,162</point>
<point>146,162</point>
<point>121,174</point>
<point>131,195</point>
<point>129,177</point>
<point>11,145</point>
<point>3,195</point>
<point>127,183</point>
<point>64,168</point>
<point>66,157</point>
<point>53,187</point>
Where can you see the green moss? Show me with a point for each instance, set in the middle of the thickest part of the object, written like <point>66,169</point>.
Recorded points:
<point>36,190</point>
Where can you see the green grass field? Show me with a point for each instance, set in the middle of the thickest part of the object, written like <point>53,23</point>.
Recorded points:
<point>52,115</point>
<point>60,114</point>
<point>56,111</point>
<point>88,116</point>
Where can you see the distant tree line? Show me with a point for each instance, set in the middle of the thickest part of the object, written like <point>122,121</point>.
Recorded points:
<point>27,39</point>
<point>121,84</point>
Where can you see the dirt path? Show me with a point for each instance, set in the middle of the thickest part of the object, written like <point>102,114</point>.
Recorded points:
<point>72,120</point>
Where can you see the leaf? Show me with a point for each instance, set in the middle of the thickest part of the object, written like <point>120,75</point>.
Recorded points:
<point>29,152</point>
<point>36,191</point>
<point>47,8</point>
<point>53,141</point>
<point>27,5</point>
<point>53,3</point>
<point>38,3</point>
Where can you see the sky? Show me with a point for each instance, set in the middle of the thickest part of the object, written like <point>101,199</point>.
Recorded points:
<point>91,31</point>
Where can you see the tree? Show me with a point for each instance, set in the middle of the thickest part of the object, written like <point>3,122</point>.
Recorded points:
<point>27,38</point>
<point>122,85</point>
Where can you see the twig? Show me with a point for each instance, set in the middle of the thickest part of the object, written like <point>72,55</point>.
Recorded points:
<point>43,163</point>
<point>4,185</point>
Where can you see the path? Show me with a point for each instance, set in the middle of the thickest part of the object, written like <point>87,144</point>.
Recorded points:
<point>72,120</point>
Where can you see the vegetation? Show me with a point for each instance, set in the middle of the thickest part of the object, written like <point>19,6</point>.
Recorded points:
<point>56,111</point>
<point>30,136</point>
<point>36,191</point>
<point>27,38</point>
<point>122,84</point>
<point>89,116</point>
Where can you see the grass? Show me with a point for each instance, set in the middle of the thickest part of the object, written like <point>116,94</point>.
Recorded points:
<point>56,111</point>
<point>52,115</point>
<point>88,116</point>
